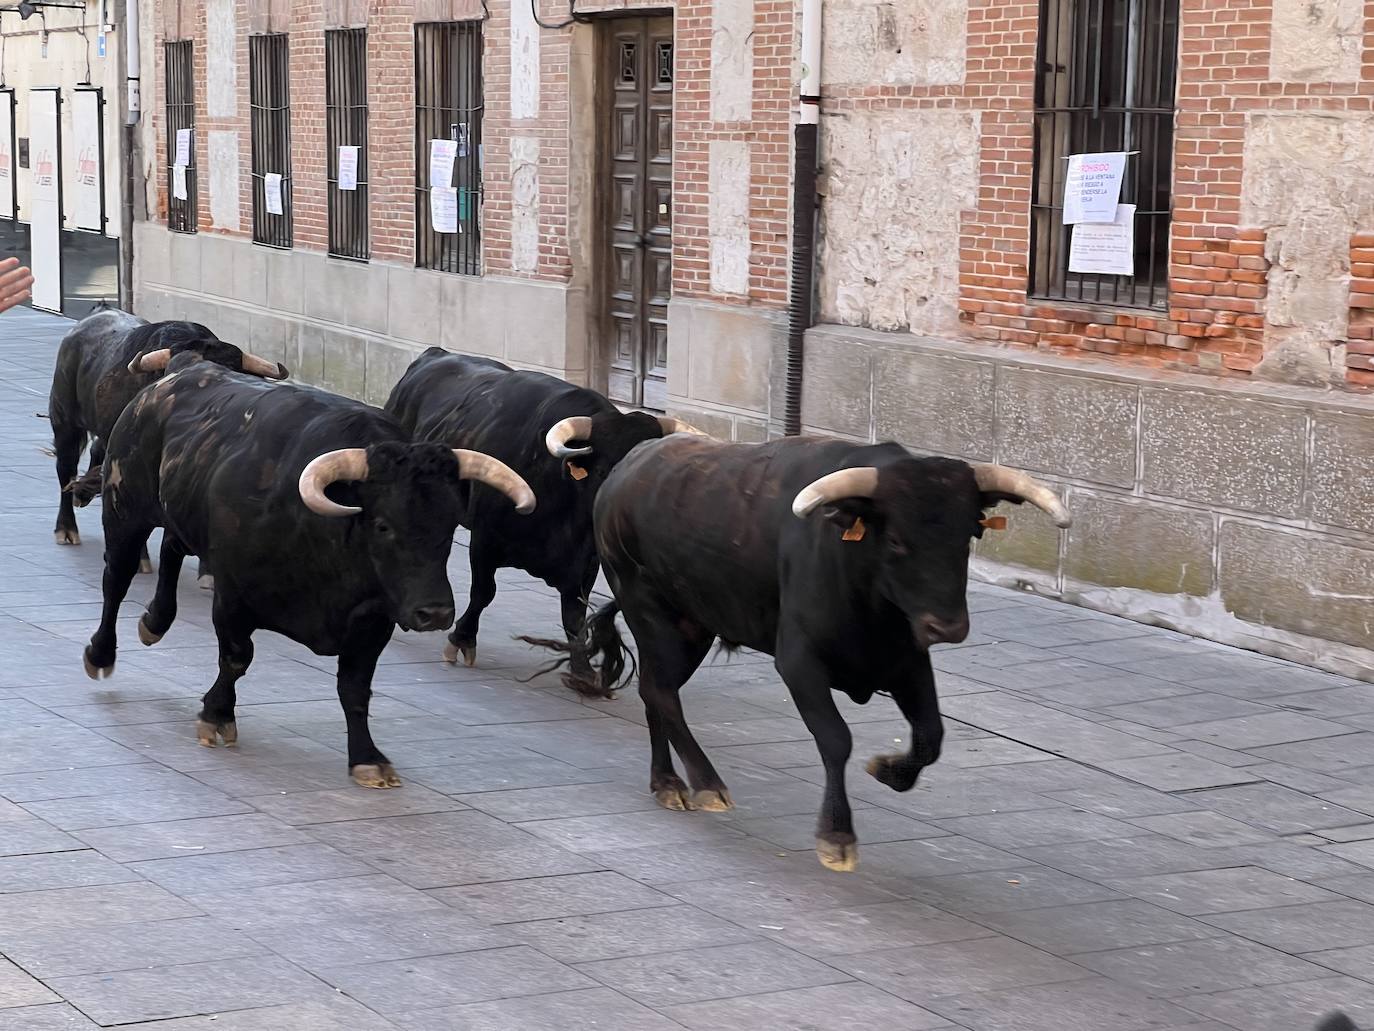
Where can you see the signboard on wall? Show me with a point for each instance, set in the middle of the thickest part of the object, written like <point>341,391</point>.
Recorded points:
<point>45,221</point>
<point>8,156</point>
<point>84,160</point>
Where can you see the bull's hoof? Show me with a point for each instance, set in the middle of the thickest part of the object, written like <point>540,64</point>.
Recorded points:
<point>712,801</point>
<point>211,734</point>
<point>468,652</point>
<point>376,776</point>
<point>72,536</point>
<point>672,794</point>
<point>145,565</point>
<point>896,771</point>
<point>92,670</point>
<point>838,852</point>
<point>144,634</point>
<point>206,582</point>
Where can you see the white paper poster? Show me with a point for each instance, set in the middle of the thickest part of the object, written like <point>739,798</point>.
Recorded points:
<point>443,209</point>
<point>183,148</point>
<point>348,168</point>
<point>1093,187</point>
<point>88,181</point>
<point>6,155</point>
<point>271,188</point>
<point>179,182</point>
<point>1107,248</point>
<point>441,156</point>
<point>45,204</point>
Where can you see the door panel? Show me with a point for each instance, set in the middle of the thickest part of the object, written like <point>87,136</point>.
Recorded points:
<point>638,71</point>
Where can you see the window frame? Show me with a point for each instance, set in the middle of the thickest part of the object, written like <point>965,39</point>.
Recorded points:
<point>449,84</point>
<point>1106,76</point>
<point>346,125</point>
<point>269,110</point>
<point>178,58</point>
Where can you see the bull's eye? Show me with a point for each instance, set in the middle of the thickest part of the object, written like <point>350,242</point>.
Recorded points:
<point>897,546</point>
<point>381,527</point>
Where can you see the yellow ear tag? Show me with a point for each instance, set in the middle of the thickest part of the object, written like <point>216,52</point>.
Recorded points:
<point>855,532</point>
<point>578,473</point>
<point>995,522</point>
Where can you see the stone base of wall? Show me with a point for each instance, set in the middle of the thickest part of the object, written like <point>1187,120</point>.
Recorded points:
<point>721,364</point>
<point>348,326</point>
<point>1239,512</point>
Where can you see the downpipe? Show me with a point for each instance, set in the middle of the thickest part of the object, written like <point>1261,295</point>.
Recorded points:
<point>802,282</point>
<point>132,105</point>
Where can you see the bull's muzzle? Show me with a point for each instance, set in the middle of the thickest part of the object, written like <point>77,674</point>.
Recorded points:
<point>931,629</point>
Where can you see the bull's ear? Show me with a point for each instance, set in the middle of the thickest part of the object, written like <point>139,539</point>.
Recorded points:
<point>991,498</point>
<point>844,511</point>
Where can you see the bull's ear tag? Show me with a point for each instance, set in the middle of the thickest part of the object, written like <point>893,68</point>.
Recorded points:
<point>855,532</point>
<point>995,522</point>
<point>577,472</point>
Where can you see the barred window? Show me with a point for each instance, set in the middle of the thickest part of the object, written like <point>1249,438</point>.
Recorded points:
<point>1105,76</point>
<point>181,118</point>
<point>345,69</point>
<point>270,110</point>
<point>448,106</point>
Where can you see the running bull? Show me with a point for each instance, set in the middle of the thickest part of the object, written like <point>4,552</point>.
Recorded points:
<point>101,364</point>
<point>562,438</point>
<point>844,562</point>
<point>321,519</point>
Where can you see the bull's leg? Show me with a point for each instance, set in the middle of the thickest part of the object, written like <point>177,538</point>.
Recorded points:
<point>162,610</point>
<point>204,579</point>
<point>915,695</point>
<point>67,442</point>
<point>573,603</point>
<point>836,846</point>
<point>667,659</point>
<point>234,629</point>
<point>366,763</point>
<point>483,561</point>
<point>122,544</point>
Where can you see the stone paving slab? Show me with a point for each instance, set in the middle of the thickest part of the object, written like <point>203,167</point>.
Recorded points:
<point>1129,829</point>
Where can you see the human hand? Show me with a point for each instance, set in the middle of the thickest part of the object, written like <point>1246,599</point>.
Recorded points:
<point>15,280</point>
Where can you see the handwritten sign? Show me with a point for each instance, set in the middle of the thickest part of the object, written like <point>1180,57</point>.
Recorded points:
<point>1093,187</point>
<point>179,182</point>
<point>271,188</point>
<point>348,168</point>
<point>183,149</point>
<point>443,209</point>
<point>1107,248</point>
<point>441,156</point>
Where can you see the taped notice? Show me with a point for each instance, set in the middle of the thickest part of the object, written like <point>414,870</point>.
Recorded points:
<point>183,150</point>
<point>1106,248</point>
<point>1092,188</point>
<point>443,209</point>
<point>271,187</point>
<point>441,157</point>
<point>348,168</point>
<point>179,182</point>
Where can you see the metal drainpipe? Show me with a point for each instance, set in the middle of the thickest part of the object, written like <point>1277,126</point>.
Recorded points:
<point>132,105</point>
<point>802,287</point>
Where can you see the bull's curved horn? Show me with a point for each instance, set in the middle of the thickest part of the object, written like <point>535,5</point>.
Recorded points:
<point>262,367</point>
<point>350,463</point>
<point>473,465</point>
<point>579,427</point>
<point>1012,481</point>
<point>846,483</point>
<point>153,361</point>
<point>671,425</point>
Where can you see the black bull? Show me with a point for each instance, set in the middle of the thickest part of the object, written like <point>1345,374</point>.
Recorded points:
<point>563,439</point>
<point>844,562</point>
<point>236,471</point>
<point>93,383</point>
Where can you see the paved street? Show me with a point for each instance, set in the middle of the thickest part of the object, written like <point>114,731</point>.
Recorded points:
<point>1128,829</point>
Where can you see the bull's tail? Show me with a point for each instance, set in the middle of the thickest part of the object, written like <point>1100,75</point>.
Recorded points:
<point>86,487</point>
<point>601,638</point>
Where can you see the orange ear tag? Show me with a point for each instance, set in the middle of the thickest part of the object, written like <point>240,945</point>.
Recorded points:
<point>855,532</point>
<point>995,522</point>
<point>578,473</point>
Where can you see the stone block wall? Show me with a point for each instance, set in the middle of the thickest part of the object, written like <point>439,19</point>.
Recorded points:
<point>1242,512</point>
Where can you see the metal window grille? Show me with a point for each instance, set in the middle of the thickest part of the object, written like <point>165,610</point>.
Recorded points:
<point>448,105</point>
<point>181,114</point>
<point>270,106</point>
<point>345,63</point>
<point>1105,76</point>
